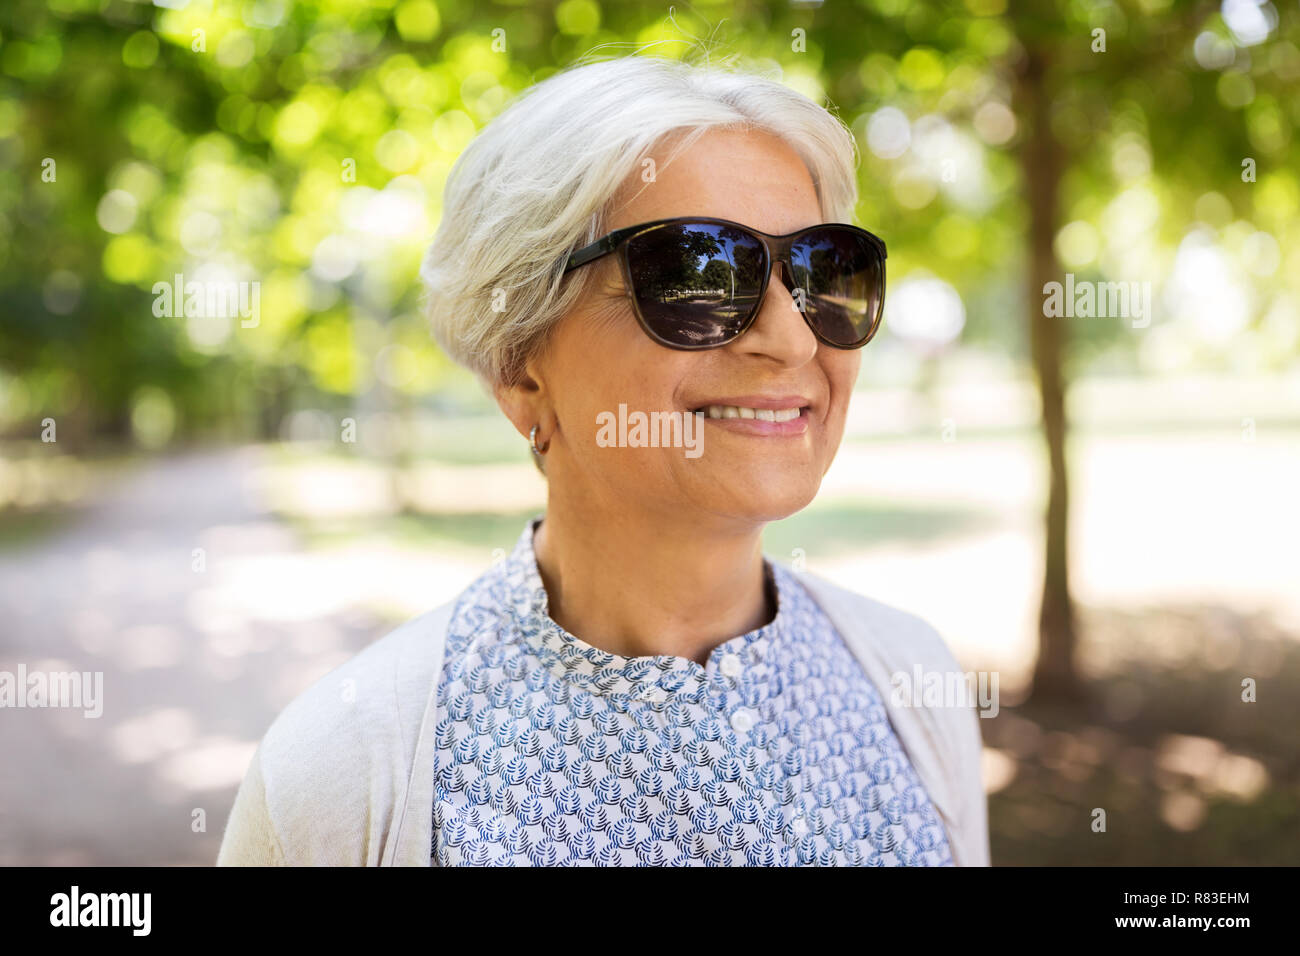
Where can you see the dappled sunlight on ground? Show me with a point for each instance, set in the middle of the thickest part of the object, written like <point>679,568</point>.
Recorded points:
<point>1186,771</point>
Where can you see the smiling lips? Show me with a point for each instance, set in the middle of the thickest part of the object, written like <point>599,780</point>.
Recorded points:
<point>758,415</point>
<point>744,411</point>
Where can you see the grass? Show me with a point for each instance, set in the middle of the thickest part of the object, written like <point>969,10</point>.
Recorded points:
<point>844,528</point>
<point>834,530</point>
<point>470,530</point>
<point>20,527</point>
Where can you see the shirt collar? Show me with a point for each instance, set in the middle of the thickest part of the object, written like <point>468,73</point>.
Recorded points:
<point>653,678</point>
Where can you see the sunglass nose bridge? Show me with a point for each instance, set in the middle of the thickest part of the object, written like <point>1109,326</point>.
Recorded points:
<point>785,273</point>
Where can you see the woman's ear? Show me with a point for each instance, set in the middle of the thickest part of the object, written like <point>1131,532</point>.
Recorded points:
<point>526,402</point>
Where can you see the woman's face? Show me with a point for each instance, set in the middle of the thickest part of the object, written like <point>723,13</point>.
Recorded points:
<point>598,358</point>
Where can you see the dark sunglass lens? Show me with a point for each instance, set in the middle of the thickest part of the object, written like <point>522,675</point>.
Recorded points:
<point>842,274</point>
<point>696,283</point>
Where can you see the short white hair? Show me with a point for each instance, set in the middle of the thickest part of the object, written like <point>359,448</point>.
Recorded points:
<point>534,185</point>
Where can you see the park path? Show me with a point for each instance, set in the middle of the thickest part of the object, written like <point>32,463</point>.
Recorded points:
<point>195,663</point>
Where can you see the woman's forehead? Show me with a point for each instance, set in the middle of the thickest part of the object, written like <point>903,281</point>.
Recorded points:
<point>751,177</point>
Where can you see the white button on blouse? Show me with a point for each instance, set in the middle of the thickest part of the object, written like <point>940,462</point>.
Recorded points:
<point>731,665</point>
<point>742,720</point>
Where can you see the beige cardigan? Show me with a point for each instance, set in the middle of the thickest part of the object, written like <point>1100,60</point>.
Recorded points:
<point>344,775</point>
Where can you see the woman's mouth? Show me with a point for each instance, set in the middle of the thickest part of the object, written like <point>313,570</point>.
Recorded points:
<point>792,419</point>
<point>758,414</point>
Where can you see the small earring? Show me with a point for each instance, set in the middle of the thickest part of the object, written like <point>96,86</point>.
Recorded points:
<point>532,440</point>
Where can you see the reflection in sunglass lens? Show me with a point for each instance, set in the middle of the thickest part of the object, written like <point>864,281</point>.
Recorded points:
<point>696,283</point>
<point>843,276</point>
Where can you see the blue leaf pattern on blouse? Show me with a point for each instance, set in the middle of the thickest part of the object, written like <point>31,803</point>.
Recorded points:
<point>552,752</point>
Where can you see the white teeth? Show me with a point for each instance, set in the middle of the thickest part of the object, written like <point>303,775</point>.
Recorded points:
<point>760,414</point>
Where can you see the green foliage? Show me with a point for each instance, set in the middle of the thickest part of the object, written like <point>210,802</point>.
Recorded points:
<point>305,145</point>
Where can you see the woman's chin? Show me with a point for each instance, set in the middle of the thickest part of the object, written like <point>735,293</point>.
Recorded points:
<point>772,503</point>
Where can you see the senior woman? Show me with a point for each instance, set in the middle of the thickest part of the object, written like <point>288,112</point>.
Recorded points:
<point>636,684</point>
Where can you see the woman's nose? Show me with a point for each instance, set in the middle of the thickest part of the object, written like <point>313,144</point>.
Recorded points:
<point>782,272</point>
<point>776,332</point>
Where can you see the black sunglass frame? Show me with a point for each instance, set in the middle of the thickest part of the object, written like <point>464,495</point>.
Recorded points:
<point>776,248</point>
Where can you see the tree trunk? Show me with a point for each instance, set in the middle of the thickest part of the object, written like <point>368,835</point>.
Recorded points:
<point>1042,160</point>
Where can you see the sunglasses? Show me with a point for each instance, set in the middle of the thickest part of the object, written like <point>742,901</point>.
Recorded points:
<point>698,283</point>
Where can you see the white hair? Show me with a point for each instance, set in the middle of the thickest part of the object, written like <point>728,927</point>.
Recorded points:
<point>534,185</point>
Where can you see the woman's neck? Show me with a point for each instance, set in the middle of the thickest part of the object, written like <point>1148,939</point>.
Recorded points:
<point>634,586</point>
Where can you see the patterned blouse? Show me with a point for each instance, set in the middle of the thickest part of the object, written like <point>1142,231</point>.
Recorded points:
<point>777,752</point>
